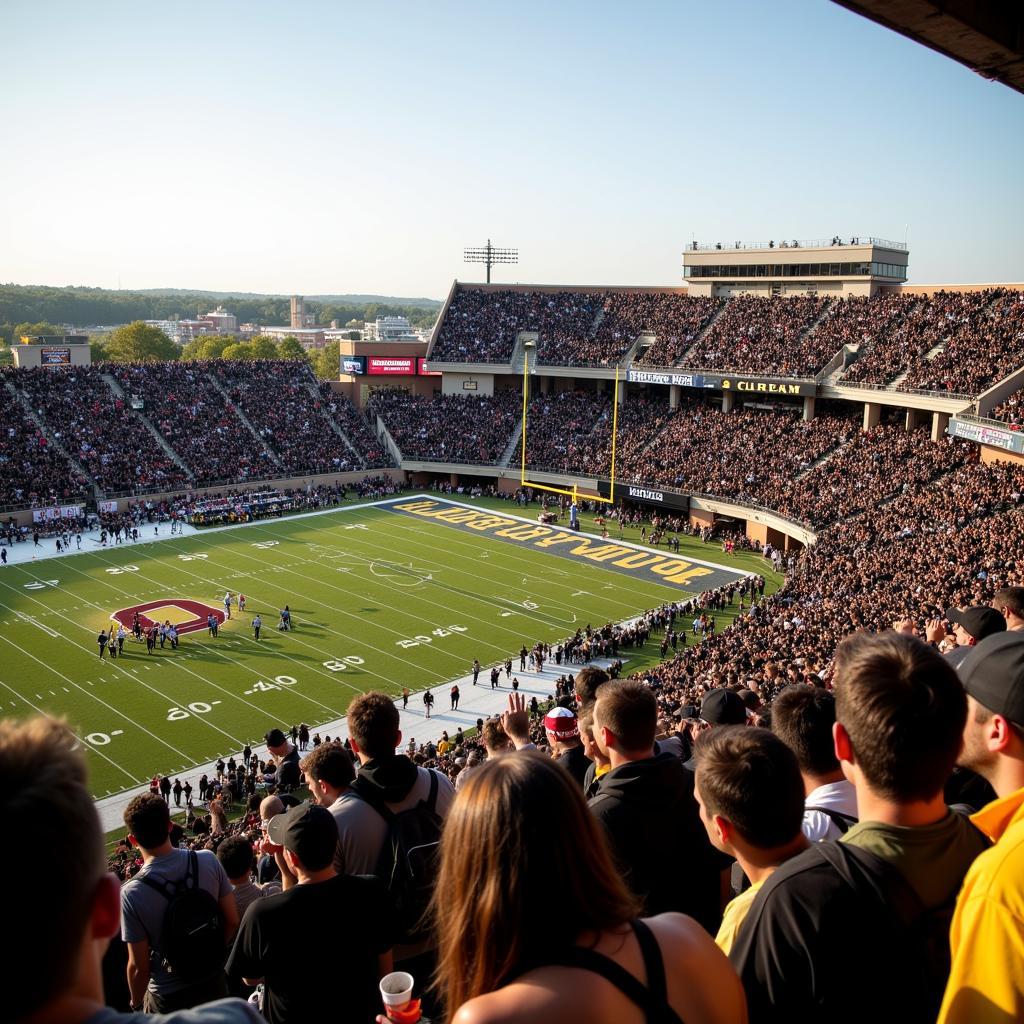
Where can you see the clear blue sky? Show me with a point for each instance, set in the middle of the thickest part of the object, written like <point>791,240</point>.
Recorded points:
<point>358,147</point>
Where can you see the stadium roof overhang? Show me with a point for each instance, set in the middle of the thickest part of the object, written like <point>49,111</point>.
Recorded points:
<point>985,35</point>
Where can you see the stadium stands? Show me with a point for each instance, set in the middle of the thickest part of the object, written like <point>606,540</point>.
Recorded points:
<point>1011,410</point>
<point>96,427</point>
<point>448,428</point>
<point>32,472</point>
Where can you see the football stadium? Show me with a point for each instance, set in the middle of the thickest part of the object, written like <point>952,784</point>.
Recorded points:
<point>596,651</point>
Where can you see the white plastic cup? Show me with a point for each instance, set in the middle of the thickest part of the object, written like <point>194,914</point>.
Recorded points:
<point>396,990</point>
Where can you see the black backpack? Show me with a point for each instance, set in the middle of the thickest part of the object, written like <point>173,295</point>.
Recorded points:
<point>191,944</point>
<point>924,931</point>
<point>408,859</point>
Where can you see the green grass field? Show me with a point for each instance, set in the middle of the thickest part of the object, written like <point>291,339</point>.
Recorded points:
<point>381,598</point>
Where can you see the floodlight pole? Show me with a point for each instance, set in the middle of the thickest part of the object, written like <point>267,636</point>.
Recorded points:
<point>489,255</point>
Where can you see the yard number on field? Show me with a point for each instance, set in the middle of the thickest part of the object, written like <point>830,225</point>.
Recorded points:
<point>262,687</point>
<point>197,707</point>
<point>117,571</point>
<point>340,664</point>
<point>421,638</point>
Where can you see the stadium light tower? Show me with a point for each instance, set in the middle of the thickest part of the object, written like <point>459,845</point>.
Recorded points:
<point>489,255</point>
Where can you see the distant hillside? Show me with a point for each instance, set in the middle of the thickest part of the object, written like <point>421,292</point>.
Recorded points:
<point>85,307</point>
<point>362,300</point>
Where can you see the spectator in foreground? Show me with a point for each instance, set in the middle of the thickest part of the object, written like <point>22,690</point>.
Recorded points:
<point>1009,602</point>
<point>520,833</point>
<point>237,858</point>
<point>751,798</point>
<point>563,733</point>
<point>646,805</point>
<point>986,980</point>
<point>877,895</point>
<point>329,775</point>
<point>802,717</point>
<point>294,943</point>
<point>54,968</point>
<point>156,981</point>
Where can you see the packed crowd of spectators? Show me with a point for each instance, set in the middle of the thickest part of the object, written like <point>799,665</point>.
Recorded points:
<point>973,338</point>
<point>83,414</point>
<point>1011,411</point>
<point>448,428</point>
<point>281,401</point>
<point>32,472</point>
<point>770,336</point>
<point>862,322</point>
<point>674,320</point>
<point>370,451</point>
<point>482,326</point>
<point>188,409</point>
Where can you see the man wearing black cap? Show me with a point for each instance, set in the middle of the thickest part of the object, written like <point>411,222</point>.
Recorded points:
<point>344,923</point>
<point>971,625</point>
<point>986,981</point>
<point>719,707</point>
<point>285,756</point>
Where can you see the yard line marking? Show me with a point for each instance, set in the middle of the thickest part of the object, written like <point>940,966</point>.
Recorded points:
<point>87,746</point>
<point>33,622</point>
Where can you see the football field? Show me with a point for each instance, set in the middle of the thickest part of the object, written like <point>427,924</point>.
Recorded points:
<point>405,592</point>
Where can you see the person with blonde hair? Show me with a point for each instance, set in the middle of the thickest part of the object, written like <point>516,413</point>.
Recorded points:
<point>547,929</point>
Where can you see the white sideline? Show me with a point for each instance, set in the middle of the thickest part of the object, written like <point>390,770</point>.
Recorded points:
<point>475,702</point>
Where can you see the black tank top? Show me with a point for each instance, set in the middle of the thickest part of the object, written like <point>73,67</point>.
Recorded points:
<point>652,999</point>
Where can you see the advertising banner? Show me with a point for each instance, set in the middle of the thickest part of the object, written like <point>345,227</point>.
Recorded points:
<point>55,357</point>
<point>353,365</point>
<point>1008,440</point>
<point>401,366</point>
<point>107,506</point>
<point>726,382</point>
<point>421,369</point>
<point>646,494</point>
<point>49,515</point>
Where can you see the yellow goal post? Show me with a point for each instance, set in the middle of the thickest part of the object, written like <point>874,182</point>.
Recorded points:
<point>573,491</point>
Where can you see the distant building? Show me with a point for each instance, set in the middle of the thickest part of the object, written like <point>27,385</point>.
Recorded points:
<point>222,321</point>
<point>389,328</point>
<point>307,337</point>
<point>299,316</point>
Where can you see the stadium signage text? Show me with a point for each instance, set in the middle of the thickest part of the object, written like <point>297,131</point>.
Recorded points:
<point>619,557</point>
<point>723,382</point>
<point>686,380</point>
<point>48,515</point>
<point>390,365</point>
<point>646,494</point>
<point>55,357</point>
<point>1008,440</point>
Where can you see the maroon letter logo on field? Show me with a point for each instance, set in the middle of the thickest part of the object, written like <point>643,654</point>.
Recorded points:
<point>200,613</point>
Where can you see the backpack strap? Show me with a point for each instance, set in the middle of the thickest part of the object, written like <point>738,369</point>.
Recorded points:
<point>840,820</point>
<point>654,964</point>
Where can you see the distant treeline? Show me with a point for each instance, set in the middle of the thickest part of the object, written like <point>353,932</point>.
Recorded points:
<point>86,307</point>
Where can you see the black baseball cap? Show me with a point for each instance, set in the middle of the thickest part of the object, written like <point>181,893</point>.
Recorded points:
<point>723,707</point>
<point>993,674</point>
<point>308,831</point>
<point>980,621</point>
<point>274,738</point>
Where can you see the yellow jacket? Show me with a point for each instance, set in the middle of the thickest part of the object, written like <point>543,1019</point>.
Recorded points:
<point>986,982</point>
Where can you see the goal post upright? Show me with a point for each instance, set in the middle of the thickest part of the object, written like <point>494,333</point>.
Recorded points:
<point>574,492</point>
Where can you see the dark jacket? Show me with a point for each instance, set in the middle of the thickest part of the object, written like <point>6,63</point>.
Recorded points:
<point>576,763</point>
<point>652,821</point>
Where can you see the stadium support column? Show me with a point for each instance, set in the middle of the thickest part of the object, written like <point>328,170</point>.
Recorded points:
<point>940,421</point>
<point>545,385</point>
<point>728,401</point>
<point>912,420</point>
<point>674,391</point>
<point>809,402</point>
<point>872,415</point>
<point>622,395</point>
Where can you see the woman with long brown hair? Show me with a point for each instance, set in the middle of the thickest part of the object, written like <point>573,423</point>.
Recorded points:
<point>535,924</point>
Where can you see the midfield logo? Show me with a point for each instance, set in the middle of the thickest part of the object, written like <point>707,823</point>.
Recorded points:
<point>186,615</point>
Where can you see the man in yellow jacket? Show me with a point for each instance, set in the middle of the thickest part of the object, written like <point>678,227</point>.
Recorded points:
<point>986,982</point>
